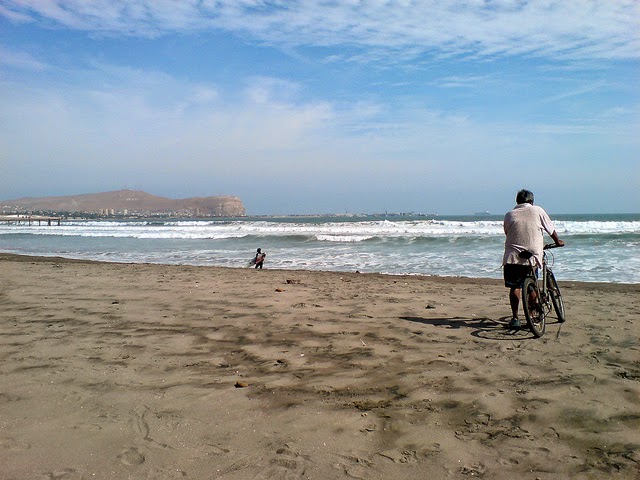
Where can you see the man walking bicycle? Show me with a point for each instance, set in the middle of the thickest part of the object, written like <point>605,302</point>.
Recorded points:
<point>524,227</point>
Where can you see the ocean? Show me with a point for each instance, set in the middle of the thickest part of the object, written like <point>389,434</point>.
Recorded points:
<point>600,248</point>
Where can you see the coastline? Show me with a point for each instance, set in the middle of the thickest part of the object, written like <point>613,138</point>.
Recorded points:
<point>446,247</point>
<point>614,286</point>
<point>128,370</point>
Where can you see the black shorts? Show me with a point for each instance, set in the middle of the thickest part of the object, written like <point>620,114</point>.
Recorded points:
<point>515,274</point>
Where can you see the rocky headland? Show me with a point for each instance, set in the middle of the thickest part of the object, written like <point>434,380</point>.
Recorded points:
<point>127,203</point>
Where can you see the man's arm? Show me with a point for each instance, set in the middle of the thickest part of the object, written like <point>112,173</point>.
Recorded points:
<point>559,242</point>
<point>547,224</point>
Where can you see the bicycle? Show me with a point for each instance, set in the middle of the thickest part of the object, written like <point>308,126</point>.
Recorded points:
<point>539,295</point>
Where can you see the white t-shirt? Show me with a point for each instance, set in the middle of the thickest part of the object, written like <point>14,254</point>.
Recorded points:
<point>525,226</point>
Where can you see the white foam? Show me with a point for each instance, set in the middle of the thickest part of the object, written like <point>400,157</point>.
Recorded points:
<point>328,231</point>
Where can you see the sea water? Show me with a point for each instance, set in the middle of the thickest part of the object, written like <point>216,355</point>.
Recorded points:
<point>600,248</point>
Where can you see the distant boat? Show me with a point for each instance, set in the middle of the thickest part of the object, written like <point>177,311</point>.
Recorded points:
<point>487,212</point>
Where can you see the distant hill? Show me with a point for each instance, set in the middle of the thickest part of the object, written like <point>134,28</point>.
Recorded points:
<point>128,202</point>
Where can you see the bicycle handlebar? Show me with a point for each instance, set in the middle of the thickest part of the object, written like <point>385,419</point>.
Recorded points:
<point>552,245</point>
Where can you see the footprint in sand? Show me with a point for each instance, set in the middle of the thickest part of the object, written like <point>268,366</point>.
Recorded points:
<point>8,443</point>
<point>410,454</point>
<point>64,474</point>
<point>355,466</point>
<point>285,464</point>
<point>131,457</point>
<point>89,427</point>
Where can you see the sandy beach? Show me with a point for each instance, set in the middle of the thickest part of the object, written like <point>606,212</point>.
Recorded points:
<point>137,371</point>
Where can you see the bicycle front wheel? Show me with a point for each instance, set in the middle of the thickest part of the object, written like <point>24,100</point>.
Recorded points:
<point>533,309</point>
<point>556,296</point>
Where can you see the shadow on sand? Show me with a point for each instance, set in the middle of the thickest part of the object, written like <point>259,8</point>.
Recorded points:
<point>483,327</point>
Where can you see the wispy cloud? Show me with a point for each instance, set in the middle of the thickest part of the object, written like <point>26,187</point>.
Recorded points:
<point>124,116</point>
<point>13,15</point>
<point>459,81</point>
<point>582,90</point>
<point>570,29</point>
<point>20,60</point>
<point>270,89</point>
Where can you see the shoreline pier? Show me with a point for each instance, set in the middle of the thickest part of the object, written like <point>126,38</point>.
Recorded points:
<point>30,219</point>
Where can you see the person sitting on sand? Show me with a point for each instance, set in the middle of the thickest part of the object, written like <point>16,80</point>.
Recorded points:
<point>259,260</point>
<point>523,227</point>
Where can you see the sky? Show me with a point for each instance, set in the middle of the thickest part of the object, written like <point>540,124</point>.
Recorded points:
<point>325,106</point>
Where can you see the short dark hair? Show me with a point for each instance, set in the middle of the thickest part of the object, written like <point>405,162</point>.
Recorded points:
<point>524,196</point>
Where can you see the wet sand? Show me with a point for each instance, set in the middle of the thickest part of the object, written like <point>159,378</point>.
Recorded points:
<point>136,371</point>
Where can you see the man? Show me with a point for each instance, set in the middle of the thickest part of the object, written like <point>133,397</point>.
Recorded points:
<point>523,226</point>
<point>259,259</point>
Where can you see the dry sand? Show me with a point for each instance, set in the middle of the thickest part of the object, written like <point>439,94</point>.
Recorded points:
<point>116,371</point>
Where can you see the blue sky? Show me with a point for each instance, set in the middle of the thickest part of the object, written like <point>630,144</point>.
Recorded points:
<point>325,106</point>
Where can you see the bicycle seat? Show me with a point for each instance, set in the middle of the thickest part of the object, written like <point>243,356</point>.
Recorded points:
<point>525,254</point>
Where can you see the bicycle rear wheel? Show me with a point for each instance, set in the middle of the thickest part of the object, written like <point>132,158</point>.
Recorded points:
<point>533,310</point>
<point>556,296</point>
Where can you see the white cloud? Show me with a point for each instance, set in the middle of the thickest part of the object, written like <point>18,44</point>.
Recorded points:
<point>398,30</point>
<point>270,89</point>
<point>14,15</point>
<point>20,60</point>
<point>459,81</point>
<point>132,119</point>
<point>578,91</point>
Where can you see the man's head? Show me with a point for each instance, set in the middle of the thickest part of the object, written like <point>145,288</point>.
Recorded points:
<point>524,196</point>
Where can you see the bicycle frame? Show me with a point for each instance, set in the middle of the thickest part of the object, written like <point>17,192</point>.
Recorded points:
<point>542,285</point>
<point>541,281</point>
<point>541,295</point>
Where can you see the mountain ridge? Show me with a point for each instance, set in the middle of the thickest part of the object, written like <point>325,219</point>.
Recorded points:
<point>128,202</point>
